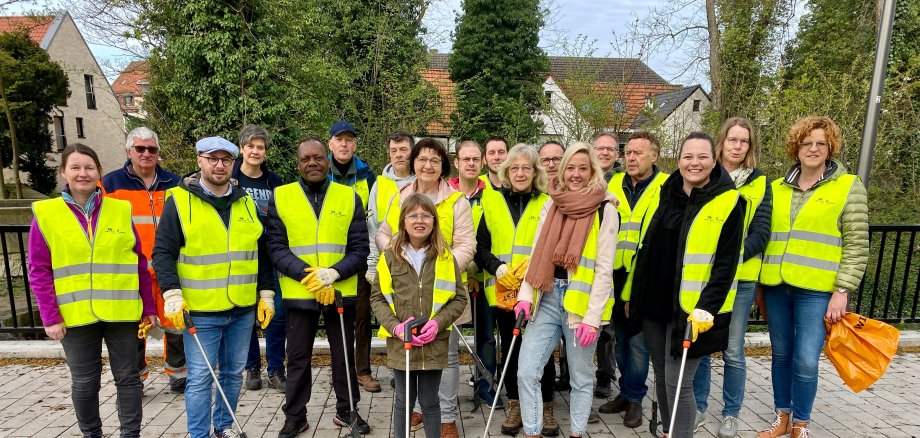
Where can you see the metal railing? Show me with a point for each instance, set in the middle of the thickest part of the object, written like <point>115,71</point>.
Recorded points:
<point>890,290</point>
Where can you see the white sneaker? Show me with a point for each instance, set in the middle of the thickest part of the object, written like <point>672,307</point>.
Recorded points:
<point>700,419</point>
<point>729,427</point>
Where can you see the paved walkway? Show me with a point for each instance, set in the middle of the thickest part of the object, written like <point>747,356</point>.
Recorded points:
<point>35,401</point>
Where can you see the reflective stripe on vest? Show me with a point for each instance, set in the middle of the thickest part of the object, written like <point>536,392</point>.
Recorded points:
<point>386,189</point>
<point>443,289</point>
<point>218,266</point>
<point>753,193</point>
<point>578,292</point>
<point>631,218</point>
<point>700,251</point>
<point>510,244</point>
<point>319,244</point>
<point>806,253</point>
<point>95,275</point>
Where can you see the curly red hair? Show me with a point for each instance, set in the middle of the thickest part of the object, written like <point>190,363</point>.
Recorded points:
<point>803,127</point>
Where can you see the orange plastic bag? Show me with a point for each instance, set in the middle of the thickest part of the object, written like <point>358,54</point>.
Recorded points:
<point>860,349</point>
<point>505,298</point>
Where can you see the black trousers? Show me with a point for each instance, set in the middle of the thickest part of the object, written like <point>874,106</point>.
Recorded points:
<point>505,321</point>
<point>423,385</point>
<point>83,350</point>
<point>363,326</point>
<point>301,332</point>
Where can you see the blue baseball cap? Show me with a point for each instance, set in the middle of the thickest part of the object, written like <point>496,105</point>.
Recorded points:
<point>340,127</point>
<point>211,144</point>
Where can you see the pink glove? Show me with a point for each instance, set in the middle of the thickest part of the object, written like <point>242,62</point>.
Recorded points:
<point>586,335</point>
<point>401,328</point>
<point>522,306</point>
<point>429,331</point>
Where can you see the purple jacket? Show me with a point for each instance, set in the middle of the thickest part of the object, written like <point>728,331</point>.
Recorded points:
<point>42,280</point>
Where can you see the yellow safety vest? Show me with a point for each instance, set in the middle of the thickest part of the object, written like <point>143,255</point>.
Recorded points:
<point>510,244</point>
<point>631,218</point>
<point>363,191</point>
<point>700,251</point>
<point>579,290</point>
<point>753,193</point>
<point>806,252</point>
<point>386,189</point>
<point>443,289</point>
<point>218,266</point>
<point>485,179</point>
<point>320,240</point>
<point>95,272</point>
<point>476,209</point>
<point>445,215</point>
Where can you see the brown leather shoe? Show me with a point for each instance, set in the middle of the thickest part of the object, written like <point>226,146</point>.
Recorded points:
<point>416,421</point>
<point>800,429</point>
<point>550,427</point>
<point>781,426</point>
<point>633,417</point>
<point>369,383</point>
<point>614,406</point>
<point>449,430</point>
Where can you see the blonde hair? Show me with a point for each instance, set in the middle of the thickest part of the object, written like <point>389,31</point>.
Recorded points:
<point>803,127</point>
<point>750,161</point>
<point>436,243</point>
<point>597,174</point>
<point>522,150</point>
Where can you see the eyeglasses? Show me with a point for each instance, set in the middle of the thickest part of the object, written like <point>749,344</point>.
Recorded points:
<point>226,161</point>
<point>605,149</point>
<point>152,150</point>
<point>734,141</point>
<point>435,162</point>
<point>821,145</point>
<point>516,169</point>
<point>554,160</point>
<point>424,217</point>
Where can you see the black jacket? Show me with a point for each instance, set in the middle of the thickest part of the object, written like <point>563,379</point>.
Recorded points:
<point>517,203</point>
<point>274,180</point>
<point>723,270</point>
<point>170,238</point>
<point>357,247</point>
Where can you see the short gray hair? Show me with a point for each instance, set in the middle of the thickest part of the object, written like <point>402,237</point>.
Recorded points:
<point>252,132</point>
<point>141,133</point>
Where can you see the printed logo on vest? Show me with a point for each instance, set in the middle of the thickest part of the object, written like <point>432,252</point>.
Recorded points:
<point>113,230</point>
<point>825,201</point>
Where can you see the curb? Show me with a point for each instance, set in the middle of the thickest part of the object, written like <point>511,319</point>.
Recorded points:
<point>53,350</point>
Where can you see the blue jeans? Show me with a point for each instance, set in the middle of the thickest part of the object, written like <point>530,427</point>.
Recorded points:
<point>549,323</point>
<point>275,335</point>
<point>632,360</point>
<point>735,364</point>
<point>796,323</point>
<point>224,338</point>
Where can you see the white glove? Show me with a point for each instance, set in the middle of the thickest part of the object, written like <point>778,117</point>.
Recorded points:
<point>501,271</point>
<point>268,298</point>
<point>472,268</point>
<point>327,276</point>
<point>172,301</point>
<point>371,275</point>
<point>702,315</point>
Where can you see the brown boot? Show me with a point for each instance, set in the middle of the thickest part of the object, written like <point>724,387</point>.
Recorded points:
<point>513,422</point>
<point>449,430</point>
<point>800,429</point>
<point>633,417</point>
<point>781,426</point>
<point>550,427</point>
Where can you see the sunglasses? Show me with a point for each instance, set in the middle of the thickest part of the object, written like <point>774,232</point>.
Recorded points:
<point>152,150</point>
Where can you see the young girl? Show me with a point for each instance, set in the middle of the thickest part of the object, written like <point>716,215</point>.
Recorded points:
<point>418,277</point>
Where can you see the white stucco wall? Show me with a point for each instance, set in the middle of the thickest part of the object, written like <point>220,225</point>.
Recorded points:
<point>681,122</point>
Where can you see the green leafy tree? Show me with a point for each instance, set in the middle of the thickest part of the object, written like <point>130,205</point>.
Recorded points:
<point>499,69</point>
<point>31,85</point>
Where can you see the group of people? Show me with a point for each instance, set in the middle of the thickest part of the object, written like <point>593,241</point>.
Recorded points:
<point>617,261</point>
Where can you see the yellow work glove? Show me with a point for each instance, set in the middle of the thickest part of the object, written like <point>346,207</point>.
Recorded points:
<point>521,268</point>
<point>143,328</point>
<point>266,308</point>
<point>325,296</point>
<point>472,285</point>
<point>700,321</point>
<point>174,307</point>
<point>319,278</point>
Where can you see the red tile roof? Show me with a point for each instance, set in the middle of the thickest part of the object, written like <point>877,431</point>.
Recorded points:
<point>36,27</point>
<point>441,81</point>
<point>130,79</point>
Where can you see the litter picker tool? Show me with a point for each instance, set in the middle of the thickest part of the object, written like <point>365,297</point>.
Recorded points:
<point>680,376</point>
<point>352,415</point>
<point>515,335</point>
<point>194,332</point>
<point>653,423</point>
<point>411,328</point>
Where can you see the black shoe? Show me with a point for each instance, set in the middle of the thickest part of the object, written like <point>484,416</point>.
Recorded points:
<point>602,390</point>
<point>562,384</point>
<point>278,381</point>
<point>177,386</point>
<point>615,406</point>
<point>342,419</point>
<point>293,427</point>
<point>253,379</point>
<point>393,382</point>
